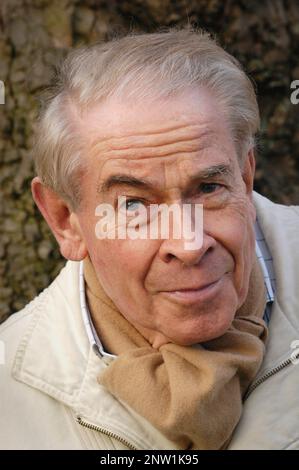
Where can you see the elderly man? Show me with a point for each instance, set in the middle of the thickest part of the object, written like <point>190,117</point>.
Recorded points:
<point>151,342</point>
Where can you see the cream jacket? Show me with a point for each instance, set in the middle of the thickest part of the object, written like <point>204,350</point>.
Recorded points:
<point>50,398</point>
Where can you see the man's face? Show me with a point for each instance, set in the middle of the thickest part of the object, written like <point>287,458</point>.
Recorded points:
<point>179,150</point>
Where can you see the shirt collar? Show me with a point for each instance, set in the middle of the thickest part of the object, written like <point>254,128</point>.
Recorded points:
<point>89,326</point>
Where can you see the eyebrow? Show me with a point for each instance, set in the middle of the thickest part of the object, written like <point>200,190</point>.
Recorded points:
<point>212,172</point>
<point>139,183</point>
<point>123,180</point>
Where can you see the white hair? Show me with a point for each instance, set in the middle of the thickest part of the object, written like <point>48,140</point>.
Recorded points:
<point>136,66</point>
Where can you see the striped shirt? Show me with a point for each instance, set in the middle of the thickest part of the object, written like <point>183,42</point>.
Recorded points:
<point>266,261</point>
<point>263,256</point>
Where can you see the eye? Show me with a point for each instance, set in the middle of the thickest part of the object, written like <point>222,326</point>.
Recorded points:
<point>208,188</point>
<point>132,205</point>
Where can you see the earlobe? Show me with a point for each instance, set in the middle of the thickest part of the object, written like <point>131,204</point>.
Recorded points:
<point>61,220</point>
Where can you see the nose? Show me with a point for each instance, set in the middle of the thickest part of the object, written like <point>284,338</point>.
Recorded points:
<point>171,249</point>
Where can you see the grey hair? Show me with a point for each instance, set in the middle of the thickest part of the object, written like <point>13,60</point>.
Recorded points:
<point>136,66</point>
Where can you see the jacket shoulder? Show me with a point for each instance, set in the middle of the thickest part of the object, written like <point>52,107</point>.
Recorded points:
<point>18,328</point>
<point>12,329</point>
<point>22,406</point>
<point>262,203</point>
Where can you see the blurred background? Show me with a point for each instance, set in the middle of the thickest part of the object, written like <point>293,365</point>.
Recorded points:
<point>36,34</point>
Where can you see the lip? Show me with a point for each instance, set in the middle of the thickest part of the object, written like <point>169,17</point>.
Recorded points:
<point>193,296</point>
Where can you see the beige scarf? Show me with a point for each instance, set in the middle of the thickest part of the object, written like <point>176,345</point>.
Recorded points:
<point>192,394</point>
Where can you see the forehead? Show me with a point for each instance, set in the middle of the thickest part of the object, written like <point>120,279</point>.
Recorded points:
<point>147,138</point>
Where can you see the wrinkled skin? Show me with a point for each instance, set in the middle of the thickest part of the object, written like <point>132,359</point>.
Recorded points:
<point>168,293</point>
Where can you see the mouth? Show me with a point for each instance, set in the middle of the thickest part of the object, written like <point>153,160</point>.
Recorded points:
<point>189,296</point>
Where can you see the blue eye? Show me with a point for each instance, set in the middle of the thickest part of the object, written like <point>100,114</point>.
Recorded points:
<point>208,188</point>
<point>133,204</point>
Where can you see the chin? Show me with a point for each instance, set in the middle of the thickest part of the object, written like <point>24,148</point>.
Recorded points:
<point>201,331</point>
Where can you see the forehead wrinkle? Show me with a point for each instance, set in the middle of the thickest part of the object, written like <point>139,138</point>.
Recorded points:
<point>150,153</point>
<point>182,147</point>
<point>172,133</point>
<point>192,137</point>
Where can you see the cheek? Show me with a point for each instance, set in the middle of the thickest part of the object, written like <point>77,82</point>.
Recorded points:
<point>233,225</point>
<point>228,230</point>
<point>122,267</point>
<point>234,230</point>
<point>236,238</point>
<point>125,261</point>
<point>240,241</point>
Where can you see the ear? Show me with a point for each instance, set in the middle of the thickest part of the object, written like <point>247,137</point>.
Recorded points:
<point>62,221</point>
<point>248,178</point>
